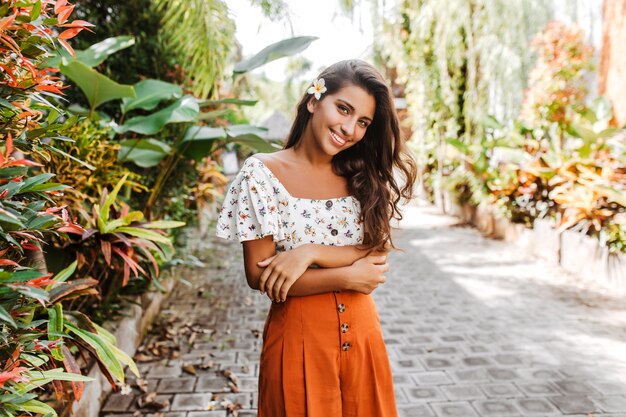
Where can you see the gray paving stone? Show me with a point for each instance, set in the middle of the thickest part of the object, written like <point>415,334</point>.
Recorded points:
<point>501,390</point>
<point>471,375</point>
<point>212,384</point>
<point>502,374</point>
<point>118,402</point>
<point>533,389</point>
<point>531,406</point>
<point>462,392</point>
<point>431,378</point>
<point>421,410</point>
<point>496,408</point>
<point>437,363</point>
<point>570,404</point>
<point>454,409</point>
<point>612,404</point>
<point>575,387</point>
<point>608,388</point>
<point>476,361</point>
<point>423,394</point>
<point>190,402</point>
<point>164,371</point>
<point>164,399</point>
<point>176,385</point>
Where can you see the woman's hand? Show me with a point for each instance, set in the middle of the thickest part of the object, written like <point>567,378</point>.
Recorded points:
<point>282,270</point>
<point>367,273</point>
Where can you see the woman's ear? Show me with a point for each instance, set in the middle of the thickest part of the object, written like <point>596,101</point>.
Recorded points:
<point>311,104</point>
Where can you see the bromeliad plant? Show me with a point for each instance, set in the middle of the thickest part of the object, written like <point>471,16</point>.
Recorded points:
<point>117,242</point>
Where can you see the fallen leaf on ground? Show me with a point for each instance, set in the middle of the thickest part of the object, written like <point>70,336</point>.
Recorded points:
<point>190,369</point>
<point>231,376</point>
<point>206,365</point>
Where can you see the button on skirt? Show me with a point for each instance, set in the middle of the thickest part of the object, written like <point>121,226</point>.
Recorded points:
<point>324,356</point>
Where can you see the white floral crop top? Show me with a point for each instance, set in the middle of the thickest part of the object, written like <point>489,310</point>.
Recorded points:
<point>258,205</point>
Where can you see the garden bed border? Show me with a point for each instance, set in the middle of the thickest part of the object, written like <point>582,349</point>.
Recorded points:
<point>577,253</point>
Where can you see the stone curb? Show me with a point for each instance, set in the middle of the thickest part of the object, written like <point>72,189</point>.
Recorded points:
<point>576,252</point>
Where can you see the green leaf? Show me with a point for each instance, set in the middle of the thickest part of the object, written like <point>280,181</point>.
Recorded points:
<point>6,317</point>
<point>55,321</point>
<point>98,52</point>
<point>50,186</point>
<point>41,378</point>
<point>37,407</point>
<point>163,224</point>
<point>144,234</point>
<point>149,93</point>
<point>37,179</point>
<point>462,147</point>
<point>277,50</point>
<point>63,275</point>
<point>31,292</point>
<point>119,354</point>
<point>43,222</point>
<point>12,172</point>
<point>133,216</point>
<point>97,88</point>
<point>104,211</point>
<point>55,327</point>
<point>251,136</point>
<point>145,153</point>
<point>185,109</point>
<point>199,141</point>
<point>35,11</point>
<point>102,349</point>
<point>8,222</point>
<point>235,101</point>
<point>94,55</point>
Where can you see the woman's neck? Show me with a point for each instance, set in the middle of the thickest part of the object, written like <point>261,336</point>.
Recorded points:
<point>308,150</point>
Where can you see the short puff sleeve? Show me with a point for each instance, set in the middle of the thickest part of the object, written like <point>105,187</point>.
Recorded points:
<point>250,209</point>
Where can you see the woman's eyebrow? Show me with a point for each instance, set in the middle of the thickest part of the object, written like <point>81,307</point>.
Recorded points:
<point>352,107</point>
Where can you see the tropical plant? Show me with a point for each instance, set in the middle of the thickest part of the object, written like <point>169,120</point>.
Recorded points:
<point>557,83</point>
<point>156,108</point>
<point>117,242</point>
<point>95,165</point>
<point>39,338</point>
<point>201,34</point>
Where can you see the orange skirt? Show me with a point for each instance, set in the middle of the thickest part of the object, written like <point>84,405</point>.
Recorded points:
<point>324,356</point>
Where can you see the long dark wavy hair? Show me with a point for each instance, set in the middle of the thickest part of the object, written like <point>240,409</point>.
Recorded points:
<point>369,165</point>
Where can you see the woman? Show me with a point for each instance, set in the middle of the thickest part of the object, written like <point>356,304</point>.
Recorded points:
<point>314,219</point>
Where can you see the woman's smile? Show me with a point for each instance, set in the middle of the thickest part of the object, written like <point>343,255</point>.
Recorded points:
<point>337,140</point>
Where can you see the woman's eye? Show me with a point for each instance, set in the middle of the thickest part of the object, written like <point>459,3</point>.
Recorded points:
<point>343,109</point>
<point>363,123</point>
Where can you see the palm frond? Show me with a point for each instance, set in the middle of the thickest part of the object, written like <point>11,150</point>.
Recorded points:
<point>201,34</point>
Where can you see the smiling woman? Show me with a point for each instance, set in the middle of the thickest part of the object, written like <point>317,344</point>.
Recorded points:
<point>314,222</point>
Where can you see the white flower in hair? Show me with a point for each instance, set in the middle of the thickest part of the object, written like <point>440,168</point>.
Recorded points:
<point>318,88</point>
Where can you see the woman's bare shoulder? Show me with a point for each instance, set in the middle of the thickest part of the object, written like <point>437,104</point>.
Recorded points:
<point>272,160</point>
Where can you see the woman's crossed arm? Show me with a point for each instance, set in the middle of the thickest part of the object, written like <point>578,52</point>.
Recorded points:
<point>287,273</point>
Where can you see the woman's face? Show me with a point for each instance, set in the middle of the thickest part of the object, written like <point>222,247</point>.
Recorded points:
<point>341,119</point>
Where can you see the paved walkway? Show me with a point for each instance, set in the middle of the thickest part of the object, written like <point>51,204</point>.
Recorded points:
<point>473,328</point>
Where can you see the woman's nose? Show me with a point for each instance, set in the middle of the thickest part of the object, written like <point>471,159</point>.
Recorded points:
<point>347,128</point>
